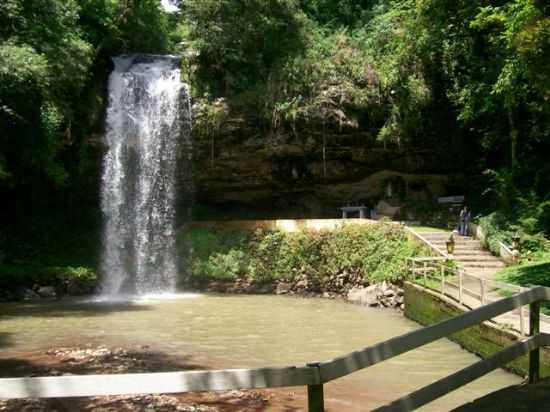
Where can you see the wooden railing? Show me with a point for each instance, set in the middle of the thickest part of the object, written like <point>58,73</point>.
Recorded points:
<point>471,291</point>
<point>314,376</point>
<point>417,237</point>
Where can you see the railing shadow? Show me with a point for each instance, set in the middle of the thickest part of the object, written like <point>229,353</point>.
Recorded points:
<point>532,398</point>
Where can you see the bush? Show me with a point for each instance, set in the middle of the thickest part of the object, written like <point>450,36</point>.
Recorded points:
<point>501,227</point>
<point>377,252</point>
<point>25,274</point>
<point>373,252</point>
<point>223,266</point>
<point>280,255</point>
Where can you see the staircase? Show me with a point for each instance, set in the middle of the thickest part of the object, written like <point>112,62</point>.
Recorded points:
<point>469,253</point>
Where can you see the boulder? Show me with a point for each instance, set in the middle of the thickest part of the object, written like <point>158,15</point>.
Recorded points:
<point>364,296</point>
<point>388,293</point>
<point>26,294</point>
<point>283,288</point>
<point>46,292</point>
<point>76,287</point>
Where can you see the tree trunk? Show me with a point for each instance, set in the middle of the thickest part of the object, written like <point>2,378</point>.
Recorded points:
<point>324,151</point>
<point>513,138</point>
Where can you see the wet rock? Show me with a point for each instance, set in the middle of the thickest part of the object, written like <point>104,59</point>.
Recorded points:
<point>283,288</point>
<point>26,294</point>
<point>76,287</point>
<point>364,296</point>
<point>388,293</point>
<point>46,292</point>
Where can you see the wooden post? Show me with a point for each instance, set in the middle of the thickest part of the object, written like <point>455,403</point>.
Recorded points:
<point>315,394</point>
<point>425,272</point>
<point>482,290</point>
<point>442,279</point>
<point>534,329</point>
<point>521,321</point>
<point>521,318</point>
<point>460,286</point>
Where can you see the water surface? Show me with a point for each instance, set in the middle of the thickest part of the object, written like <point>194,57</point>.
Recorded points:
<point>254,331</point>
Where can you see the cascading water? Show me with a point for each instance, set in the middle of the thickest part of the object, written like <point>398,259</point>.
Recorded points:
<point>170,6</point>
<point>147,118</point>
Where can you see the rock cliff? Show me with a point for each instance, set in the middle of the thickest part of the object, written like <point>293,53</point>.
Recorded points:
<point>241,171</point>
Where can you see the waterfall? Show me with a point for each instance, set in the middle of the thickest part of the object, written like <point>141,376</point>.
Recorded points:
<point>147,118</point>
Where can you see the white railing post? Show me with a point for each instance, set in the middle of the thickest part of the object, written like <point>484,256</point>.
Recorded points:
<point>442,279</point>
<point>534,329</point>
<point>460,281</point>
<point>425,272</point>
<point>521,318</point>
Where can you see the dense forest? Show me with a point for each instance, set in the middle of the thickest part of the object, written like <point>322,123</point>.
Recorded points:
<point>468,78</point>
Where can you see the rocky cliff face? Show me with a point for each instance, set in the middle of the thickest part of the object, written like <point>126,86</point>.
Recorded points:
<point>241,171</point>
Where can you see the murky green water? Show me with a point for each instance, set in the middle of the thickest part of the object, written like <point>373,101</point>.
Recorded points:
<point>254,331</point>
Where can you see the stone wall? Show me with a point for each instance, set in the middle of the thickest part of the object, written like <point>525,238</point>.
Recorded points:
<point>427,308</point>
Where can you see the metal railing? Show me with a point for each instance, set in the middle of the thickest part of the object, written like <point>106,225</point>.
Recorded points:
<point>314,376</point>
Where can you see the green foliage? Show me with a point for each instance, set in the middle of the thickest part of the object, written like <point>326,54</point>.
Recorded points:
<point>25,274</point>
<point>377,253</point>
<point>528,274</point>
<point>50,50</point>
<point>501,227</point>
<point>374,252</point>
<point>239,42</point>
<point>206,242</point>
<point>338,12</point>
<point>283,256</point>
<point>223,266</point>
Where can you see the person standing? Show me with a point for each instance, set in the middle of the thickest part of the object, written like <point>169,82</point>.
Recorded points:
<point>463,221</point>
<point>467,219</point>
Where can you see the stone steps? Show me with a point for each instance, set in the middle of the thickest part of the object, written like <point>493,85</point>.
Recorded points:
<point>474,258</point>
<point>495,265</point>
<point>474,252</point>
<point>468,252</point>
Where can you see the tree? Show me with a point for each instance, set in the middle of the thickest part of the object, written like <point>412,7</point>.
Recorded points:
<point>240,42</point>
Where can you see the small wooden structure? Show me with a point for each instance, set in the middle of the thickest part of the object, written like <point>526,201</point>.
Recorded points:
<point>354,209</point>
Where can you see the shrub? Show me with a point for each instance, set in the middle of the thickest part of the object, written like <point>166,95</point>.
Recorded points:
<point>30,274</point>
<point>220,265</point>
<point>501,227</point>
<point>373,252</point>
<point>280,255</point>
<point>376,252</point>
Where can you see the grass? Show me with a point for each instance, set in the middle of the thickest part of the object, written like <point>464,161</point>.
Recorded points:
<point>532,273</point>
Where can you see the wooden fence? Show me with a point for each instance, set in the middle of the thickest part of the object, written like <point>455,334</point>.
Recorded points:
<point>471,291</point>
<point>314,376</point>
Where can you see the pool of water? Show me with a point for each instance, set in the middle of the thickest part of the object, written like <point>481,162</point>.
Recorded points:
<point>253,331</point>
